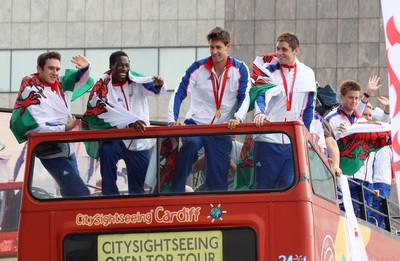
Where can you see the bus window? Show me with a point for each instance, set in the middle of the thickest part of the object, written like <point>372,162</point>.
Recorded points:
<point>44,186</point>
<point>197,180</point>
<point>164,167</point>
<point>253,163</point>
<point>322,180</point>
<point>274,167</point>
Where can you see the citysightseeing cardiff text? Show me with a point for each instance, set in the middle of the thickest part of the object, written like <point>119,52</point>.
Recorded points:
<point>159,215</point>
<point>169,246</point>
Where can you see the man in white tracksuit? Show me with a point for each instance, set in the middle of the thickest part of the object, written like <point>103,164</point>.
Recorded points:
<point>292,99</point>
<point>219,87</point>
<point>119,100</point>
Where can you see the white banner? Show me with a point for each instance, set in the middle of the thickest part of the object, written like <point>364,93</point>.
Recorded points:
<point>355,244</point>
<point>391,21</point>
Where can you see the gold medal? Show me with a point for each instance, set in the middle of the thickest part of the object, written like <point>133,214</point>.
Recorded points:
<point>218,114</point>
<point>288,116</point>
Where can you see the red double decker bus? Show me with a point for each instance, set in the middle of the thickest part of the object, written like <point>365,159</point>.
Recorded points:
<point>301,222</point>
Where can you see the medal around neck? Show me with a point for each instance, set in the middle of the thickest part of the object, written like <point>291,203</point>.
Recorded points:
<point>218,114</point>
<point>289,116</point>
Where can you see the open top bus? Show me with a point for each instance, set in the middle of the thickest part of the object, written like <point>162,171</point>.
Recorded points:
<point>301,221</point>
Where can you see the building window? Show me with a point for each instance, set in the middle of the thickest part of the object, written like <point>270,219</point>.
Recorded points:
<point>173,64</point>
<point>143,60</point>
<point>170,63</point>
<point>23,63</point>
<point>5,57</point>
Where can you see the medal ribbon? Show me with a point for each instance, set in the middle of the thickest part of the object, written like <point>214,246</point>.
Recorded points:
<point>216,87</point>
<point>289,95</point>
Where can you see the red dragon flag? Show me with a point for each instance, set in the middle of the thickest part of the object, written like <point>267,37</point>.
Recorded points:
<point>37,106</point>
<point>358,140</point>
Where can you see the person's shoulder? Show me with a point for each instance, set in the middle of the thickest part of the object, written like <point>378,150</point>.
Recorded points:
<point>107,75</point>
<point>197,64</point>
<point>201,62</point>
<point>29,80</point>
<point>267,58</point>
<point>317,116</point>
<point>238,64</point>
<point>235,61</point>
<point>332,115</point>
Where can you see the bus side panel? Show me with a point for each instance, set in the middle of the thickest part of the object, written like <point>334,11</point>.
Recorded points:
<point>36,237</point>
<point>380,245</point>
<point>284,229</point>
<point>330,236</point>
<point>93,220</point>
<point>291,233</point>
<point>326,224</point>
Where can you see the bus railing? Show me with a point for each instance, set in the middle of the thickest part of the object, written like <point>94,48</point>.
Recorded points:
<point>392,223</point>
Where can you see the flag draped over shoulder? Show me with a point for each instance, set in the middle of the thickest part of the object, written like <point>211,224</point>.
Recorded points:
<point>34,101</point>
<point>103,109</point>
<point>244,177</point>
<point>256,91</point>
<point>358,140</point>
<point>260,78</point>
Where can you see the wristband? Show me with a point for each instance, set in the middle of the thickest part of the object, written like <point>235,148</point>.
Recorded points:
<point>366,95</point>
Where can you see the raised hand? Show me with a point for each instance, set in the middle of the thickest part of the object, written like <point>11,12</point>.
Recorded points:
<point>158,81</point>
<point>80,61</point>
<point>385,102</point>
<point>373,84</point>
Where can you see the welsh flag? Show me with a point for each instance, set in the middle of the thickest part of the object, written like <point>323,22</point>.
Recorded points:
<point>244,178</point>
<point>358,140</point>
<point>34,100</point>
<point>76,83</point>
<point>168,154</point>
<point>103,109</point>
<point>258,90</point>
<point>260,77</point>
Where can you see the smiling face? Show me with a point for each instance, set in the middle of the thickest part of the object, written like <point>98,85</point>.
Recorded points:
<point>120,69</point>
<point>350,101</point>
<point>50,71</point>
<point>367,113</point>
<point>285,53</point>
<point>219,51</point>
